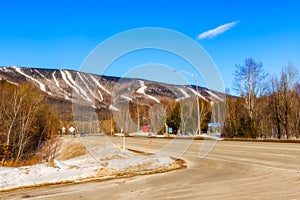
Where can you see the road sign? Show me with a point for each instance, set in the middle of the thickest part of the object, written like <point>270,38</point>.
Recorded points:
<point>72,129</point>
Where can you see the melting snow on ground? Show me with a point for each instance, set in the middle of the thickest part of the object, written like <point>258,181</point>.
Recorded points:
<point>103,160</point>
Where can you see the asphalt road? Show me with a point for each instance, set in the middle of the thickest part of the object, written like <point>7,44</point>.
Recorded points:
<point>232,170</point>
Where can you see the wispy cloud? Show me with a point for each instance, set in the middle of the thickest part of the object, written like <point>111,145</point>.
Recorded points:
<point>219,30</point>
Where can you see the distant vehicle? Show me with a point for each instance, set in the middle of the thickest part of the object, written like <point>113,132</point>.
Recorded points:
<point>82,134</point>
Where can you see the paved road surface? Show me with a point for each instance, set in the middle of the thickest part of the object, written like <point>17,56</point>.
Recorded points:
<point>233,170</point>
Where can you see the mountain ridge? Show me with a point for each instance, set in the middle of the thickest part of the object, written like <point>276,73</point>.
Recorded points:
<point>64,87</point>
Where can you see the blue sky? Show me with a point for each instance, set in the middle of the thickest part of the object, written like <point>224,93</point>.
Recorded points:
<point>60,34</point>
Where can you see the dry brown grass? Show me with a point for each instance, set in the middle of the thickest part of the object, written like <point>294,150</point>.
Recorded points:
<point>32,161</point>
<point>112,157</point>
<point>71,149</point>
<point>105,172</point>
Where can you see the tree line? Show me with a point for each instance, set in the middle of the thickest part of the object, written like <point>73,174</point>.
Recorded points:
<point>267,106</point>
<point>181,116</point>
<point>28,127</point>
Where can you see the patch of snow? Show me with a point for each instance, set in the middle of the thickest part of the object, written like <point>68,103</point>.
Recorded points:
<point>12,82</point>
<point>111,107</point>
<point>61,165</point>
<point>42,75</point>
<point>87,79</point>
<point>198,94</point>
<point>42,86</point>
<point>214,95</point>
<point>9,81</point>
<point>95,88</point>
<point>67,77</point>
<point>185,94</point>
<point>67,81</point>
<point>126,97</point>
<point>80,89</point>
<point>45,78</point>
<point>100,94</point>
<point>88,88</point>
<point>65,94</point>
<point>142,89</point>
<point>98,84</point>
<point>153,98</point>
<point>106,159</point>
<point>4,168</point>
<point>4,69</point>
<point>55,80</point>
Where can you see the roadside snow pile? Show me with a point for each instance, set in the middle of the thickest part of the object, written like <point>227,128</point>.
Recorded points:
<point>102,161</point>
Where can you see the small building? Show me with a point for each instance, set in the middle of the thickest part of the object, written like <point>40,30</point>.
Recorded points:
<point>146,129</point>
<point>214,129</point>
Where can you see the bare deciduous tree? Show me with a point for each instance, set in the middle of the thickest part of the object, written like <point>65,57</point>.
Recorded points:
<point>285,101</point>
<point>26,120</point>
<point>158,117</point>
<point>249,82</point>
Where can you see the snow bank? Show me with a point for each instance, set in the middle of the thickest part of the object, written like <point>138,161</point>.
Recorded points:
<point>101,161</point>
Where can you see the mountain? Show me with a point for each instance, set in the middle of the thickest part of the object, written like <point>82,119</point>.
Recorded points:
<point>65,88</point>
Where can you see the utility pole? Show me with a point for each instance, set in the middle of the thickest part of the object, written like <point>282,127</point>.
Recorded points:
<point>138,114</point>
<point>198,107</point>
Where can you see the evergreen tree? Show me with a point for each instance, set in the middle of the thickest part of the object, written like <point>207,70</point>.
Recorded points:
<point>174,119</point>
